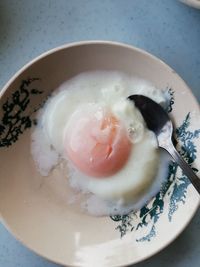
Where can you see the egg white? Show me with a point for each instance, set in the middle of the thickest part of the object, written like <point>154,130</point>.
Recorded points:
<point>136,181</point>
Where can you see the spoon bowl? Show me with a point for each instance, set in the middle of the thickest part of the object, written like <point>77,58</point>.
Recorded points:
<point>159,122</point>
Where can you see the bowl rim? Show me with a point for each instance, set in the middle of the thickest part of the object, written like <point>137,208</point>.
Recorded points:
<point>85,43</point>
<point>191,3</point>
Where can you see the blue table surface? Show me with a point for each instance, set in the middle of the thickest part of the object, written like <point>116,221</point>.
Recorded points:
<point>166,28</point>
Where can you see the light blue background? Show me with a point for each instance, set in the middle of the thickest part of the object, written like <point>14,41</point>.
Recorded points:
<point>166,28</point>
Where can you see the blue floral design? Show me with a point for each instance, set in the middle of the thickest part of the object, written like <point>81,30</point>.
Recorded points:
<point>175,187</point>
<point>14,120</point>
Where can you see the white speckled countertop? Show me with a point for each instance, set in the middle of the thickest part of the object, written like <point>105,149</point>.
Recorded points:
<point>166,28</point>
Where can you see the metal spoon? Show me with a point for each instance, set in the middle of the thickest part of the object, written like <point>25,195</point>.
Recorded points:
<point>158,121</point>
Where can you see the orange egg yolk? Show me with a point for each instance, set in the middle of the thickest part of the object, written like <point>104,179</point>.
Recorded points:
<point>97,144</point>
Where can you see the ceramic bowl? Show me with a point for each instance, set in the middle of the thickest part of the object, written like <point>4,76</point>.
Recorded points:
<point>192,3</point>
<point>34,209</point>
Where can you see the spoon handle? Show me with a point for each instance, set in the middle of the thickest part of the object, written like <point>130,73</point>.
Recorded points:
<point>184,166</point>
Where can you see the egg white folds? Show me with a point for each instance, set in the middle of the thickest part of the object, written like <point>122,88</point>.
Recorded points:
<point>135,182</point>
